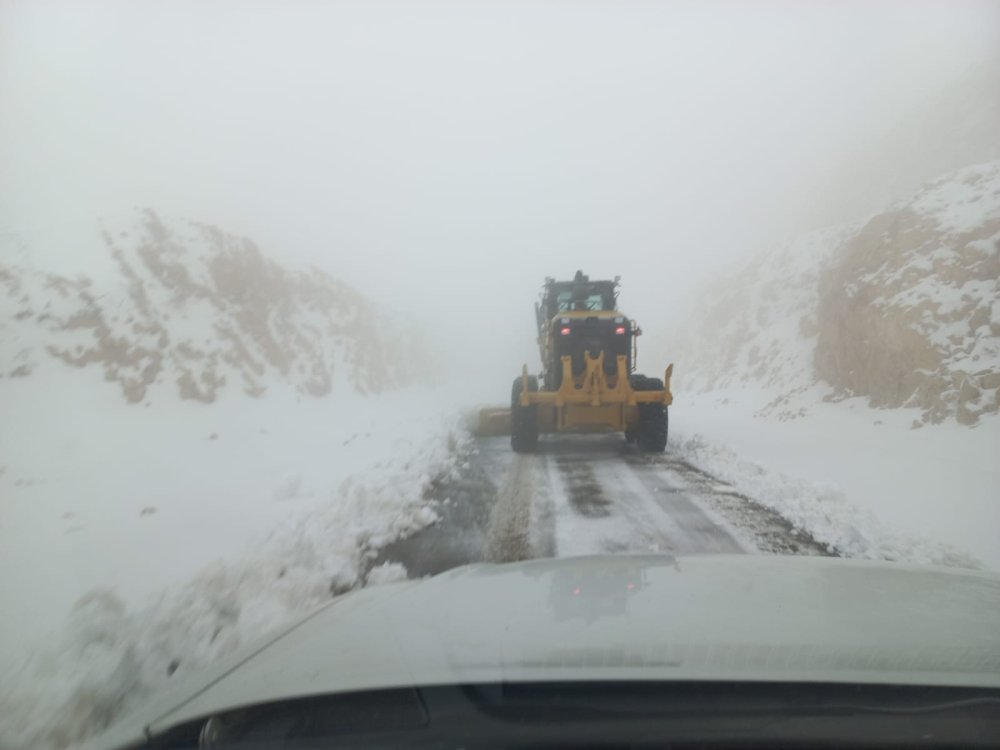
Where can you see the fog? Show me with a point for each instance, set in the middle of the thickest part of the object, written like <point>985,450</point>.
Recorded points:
<point>445,157</point>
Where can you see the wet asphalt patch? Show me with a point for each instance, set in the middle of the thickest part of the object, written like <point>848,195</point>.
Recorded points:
<point>586,496</point>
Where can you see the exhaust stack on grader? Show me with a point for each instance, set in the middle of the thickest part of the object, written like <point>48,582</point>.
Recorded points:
<point>588,384</point>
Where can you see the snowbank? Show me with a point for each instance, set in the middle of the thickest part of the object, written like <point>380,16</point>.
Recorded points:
<point>856,478</point>
<point>188,530</point>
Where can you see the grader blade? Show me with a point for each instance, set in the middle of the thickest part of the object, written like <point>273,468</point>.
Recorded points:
<point>493,421</point>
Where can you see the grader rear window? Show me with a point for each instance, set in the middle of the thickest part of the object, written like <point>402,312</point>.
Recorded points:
<point>594,301</point>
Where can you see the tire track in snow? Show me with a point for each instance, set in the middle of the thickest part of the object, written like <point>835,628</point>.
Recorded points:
<point>639,511</point>
<point>584,495</point>
<point>764,529</point>
<point>510,521</point>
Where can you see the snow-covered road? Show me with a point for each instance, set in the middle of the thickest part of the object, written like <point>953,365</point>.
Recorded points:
<point>588,495</point>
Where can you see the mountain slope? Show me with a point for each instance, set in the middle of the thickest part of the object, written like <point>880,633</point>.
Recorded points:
<point>197,311</point>
<point>903,309</point>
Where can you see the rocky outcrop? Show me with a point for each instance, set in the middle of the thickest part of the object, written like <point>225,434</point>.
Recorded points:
<point>196,310</point>
<point>909,312</point>
<point>757,328</point>
<point>903,309</point>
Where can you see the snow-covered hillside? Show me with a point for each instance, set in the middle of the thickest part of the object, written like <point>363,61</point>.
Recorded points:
<point>802,378</point>
<point>193,310</point>
<point>903,309</point>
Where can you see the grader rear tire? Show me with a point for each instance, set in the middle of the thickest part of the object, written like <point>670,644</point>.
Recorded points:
<point>651,434</point>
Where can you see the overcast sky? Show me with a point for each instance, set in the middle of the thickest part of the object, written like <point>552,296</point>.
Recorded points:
<point>451,155</point>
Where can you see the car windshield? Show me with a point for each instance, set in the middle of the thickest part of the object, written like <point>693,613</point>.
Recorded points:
<point>569,324</point>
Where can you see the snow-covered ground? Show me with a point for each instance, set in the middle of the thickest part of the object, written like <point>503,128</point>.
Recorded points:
<point>857,478</point>
<point>136,542</point>
<point>141,542</point>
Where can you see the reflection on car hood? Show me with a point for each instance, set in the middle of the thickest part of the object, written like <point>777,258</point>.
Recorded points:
<point>622,617</point>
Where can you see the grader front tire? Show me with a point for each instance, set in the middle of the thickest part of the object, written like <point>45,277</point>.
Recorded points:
<point>523,419</point>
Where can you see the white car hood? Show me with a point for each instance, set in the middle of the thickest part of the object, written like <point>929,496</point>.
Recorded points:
<point>619,618</point>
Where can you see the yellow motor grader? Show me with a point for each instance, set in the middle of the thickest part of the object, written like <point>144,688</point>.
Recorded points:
<point>588,350</point>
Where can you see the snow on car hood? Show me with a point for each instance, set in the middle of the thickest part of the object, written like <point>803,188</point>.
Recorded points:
<point>620,618</point>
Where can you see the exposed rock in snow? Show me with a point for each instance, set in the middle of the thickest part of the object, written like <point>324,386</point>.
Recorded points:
<point>903,309</point>
<point>196,311</point>
<point>909,309</point>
